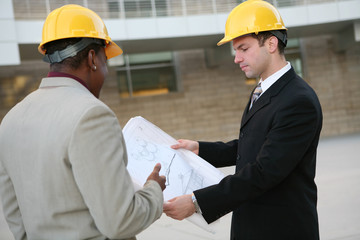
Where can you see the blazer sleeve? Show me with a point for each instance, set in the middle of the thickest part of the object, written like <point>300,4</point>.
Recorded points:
<point>10,205</point>
<point>97,153</point>
<point>288,141</point>
<point>219,154</point>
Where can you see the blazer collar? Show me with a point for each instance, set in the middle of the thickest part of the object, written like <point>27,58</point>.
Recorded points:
<point>49,82</point>
<point>265,98</point>
<point>67,75</point>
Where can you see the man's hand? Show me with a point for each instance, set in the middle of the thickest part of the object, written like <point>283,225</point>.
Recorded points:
<point>187,144</point>
<point>155,176</point>
<point>180,207</point>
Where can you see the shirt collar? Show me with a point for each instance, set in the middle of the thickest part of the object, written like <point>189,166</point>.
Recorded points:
<point>266,84</point>
<point>61,74</point>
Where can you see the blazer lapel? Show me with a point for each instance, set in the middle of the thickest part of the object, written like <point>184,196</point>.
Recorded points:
<point>260,103</point>
<point>265,99</point>
<point>246,110</point>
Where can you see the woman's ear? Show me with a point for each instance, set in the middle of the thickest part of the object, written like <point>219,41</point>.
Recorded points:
<point>91,60</point>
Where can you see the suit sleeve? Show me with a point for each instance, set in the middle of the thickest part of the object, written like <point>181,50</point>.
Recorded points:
<point>10,206</point>
<point>98,156</point>
<point>292,131</point>
<point>219,154</point>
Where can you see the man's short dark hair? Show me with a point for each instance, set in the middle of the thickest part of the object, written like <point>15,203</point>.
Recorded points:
<point>72,62</point>
<point>263,36</point>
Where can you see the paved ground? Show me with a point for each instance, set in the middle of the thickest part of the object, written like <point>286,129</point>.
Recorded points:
<point>338,180</point>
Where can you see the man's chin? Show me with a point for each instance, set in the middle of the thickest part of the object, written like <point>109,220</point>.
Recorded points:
<point>249,75</point>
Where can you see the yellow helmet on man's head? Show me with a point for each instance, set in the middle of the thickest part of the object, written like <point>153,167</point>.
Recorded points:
<point>252,16</point>
<point>74,21</point>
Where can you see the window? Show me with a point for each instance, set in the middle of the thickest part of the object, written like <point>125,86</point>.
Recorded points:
<point>114,8</point>
<point>293,55</point>
<point>161,8</point>
<point>137,8</point>
<point>147,74</point>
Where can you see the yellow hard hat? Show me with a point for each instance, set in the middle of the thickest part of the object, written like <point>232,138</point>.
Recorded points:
<point>252,16</point>
<point>74,21</point>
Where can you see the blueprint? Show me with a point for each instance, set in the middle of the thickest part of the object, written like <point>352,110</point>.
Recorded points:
<point>185,171</point>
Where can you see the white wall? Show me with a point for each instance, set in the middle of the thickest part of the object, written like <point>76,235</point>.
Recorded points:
<point>9,50</point>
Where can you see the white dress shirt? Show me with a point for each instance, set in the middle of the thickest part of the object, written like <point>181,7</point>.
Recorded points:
<point>266,84</point>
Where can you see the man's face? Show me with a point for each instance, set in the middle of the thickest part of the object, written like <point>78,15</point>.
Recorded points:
<point>100,74</point>
<point>252,58</point>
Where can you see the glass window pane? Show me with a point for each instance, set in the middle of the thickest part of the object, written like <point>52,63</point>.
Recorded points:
<point>153,81</point>
<point>147,82</point>
<point>145,8</point>
<point>123,85</point>
<point>131,9</point>
<point>147,74</point>
<point>143,58</point>
<point>161,8</point>
<point>114,8</point>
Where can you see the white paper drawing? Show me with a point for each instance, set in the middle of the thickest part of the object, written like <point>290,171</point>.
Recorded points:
<point>185,171</point>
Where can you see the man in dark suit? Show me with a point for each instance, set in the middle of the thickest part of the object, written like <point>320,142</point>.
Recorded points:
<point>272,193</point>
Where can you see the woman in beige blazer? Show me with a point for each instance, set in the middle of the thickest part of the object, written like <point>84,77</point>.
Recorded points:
<point>62,154</point>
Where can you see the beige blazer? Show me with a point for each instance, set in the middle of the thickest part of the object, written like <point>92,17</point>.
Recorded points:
<point>63,169</point>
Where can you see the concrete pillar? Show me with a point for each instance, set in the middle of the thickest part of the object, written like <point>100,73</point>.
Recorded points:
<point>357,31</point>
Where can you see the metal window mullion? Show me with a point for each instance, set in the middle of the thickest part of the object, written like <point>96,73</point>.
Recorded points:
<point>153,8</point>
<point>275,3</point>
<point>122,9</point>
<point>119,8</point>
<point>214,6</point>
<point>168,8</point>
<point>48,8</point>
<point>184,7</point>
<point>128,75</point>
<point>28,10</point>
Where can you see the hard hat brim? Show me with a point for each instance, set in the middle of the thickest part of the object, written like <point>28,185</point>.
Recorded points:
<point>224,40</point>
<point>112,50</point>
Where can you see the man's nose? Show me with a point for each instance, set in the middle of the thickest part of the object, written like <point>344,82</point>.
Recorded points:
<point>238,58</point>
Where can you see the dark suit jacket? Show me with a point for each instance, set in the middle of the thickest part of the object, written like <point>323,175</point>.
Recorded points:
<point>272,194</point>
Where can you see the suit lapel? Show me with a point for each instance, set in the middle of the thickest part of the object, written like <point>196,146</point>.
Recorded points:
<point>246,110</point>
<point>260,103</point>
<point>265,99</point>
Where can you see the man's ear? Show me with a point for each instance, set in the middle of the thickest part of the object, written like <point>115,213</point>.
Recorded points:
<point>273,44</point>
<point>91,59</point>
